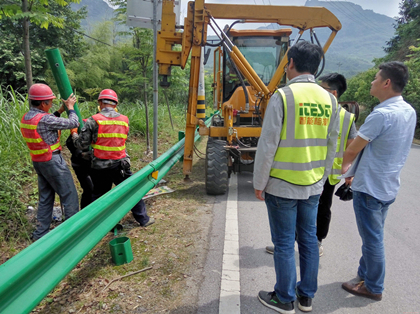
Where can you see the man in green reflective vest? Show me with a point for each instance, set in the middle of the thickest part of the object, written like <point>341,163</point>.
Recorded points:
<point>336,84</point>
<point>294,157</point>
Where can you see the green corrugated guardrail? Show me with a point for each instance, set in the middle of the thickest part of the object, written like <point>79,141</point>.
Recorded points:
<point>29,276</point>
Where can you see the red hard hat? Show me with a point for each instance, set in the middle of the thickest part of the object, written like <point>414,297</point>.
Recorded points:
<point>108,94</point>
<point>40,92</point>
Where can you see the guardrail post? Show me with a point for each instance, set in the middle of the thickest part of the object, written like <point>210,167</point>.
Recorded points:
<point>61,78</point>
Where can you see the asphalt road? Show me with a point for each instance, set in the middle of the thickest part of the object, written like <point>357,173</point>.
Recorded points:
<point>342,250</point>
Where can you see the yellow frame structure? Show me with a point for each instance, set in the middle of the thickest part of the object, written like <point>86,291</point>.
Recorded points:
<point>195,36</point>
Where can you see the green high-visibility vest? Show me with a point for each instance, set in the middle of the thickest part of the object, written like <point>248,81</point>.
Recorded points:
<point>346,120</point>
<point>300,157</point>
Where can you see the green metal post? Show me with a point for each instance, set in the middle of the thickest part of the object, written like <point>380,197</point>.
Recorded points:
<point>61,78</point>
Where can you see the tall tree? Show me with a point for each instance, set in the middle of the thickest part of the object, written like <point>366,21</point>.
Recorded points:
<point>137,63</point>
<point>407,29</point>
<point>12,65</point>
<point>37,12</point>
<point>98,67</point>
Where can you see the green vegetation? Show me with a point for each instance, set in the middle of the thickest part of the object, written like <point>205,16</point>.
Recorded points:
<point>25,24</point>
<point>17,181</point>
<point>106,58</point>
<point>404,47</point>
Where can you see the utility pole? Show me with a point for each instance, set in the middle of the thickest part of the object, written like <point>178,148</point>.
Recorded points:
<point>155,83</point>
<point>339,65</point>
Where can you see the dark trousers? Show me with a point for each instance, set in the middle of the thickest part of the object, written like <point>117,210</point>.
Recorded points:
<point>323,218</point>
<point>102,183</point>
<point>82,171</point>
<point>54,177</point>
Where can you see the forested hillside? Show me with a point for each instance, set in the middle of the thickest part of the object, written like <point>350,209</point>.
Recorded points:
<point>403,46</point>
<point>97,11</point>
<point>362,39</point>
<point>363,36</point>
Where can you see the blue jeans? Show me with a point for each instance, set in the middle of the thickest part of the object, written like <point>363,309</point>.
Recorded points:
<point>54,177</point>
<point>370,217</point>
<point>290,218</point>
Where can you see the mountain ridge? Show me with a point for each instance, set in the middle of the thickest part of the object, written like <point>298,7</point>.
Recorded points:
<point>362,38</point>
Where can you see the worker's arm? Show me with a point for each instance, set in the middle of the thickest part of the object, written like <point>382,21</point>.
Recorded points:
<point>258,194</point>
<point>372,127</point>
<point>351,152</point>
<point>352,135</point>
<point>88,134</point>
<point>54,122</point>
<point>268,144</point>
<point>349,180</point>
<point>349,141</point>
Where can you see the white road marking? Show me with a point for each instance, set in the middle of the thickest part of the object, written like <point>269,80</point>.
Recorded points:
<point>230,288</point>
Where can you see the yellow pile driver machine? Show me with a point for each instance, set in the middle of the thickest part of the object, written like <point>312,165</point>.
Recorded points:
<point>248,68</point>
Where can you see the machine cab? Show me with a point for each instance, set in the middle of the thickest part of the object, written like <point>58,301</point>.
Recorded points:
<point>263,49</point>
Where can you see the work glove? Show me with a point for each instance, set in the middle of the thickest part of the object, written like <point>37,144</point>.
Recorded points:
<point>74,134</point>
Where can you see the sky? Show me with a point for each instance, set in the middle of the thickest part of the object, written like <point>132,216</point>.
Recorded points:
<point>386,7</point>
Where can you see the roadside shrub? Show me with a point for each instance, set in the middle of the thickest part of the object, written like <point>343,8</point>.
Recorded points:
<point>17,179</point>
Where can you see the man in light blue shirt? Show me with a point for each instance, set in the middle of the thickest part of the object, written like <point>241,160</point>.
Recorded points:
<point>383,141</point>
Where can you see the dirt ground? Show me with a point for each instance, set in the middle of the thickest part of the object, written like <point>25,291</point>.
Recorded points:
<point>171,252</point>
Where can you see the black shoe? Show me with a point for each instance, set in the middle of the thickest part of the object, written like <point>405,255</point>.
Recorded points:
<point>270,300</point>
<point>33,239</point>
<point>269,249</point>
<point>304,303</point>
<point>150,222</point>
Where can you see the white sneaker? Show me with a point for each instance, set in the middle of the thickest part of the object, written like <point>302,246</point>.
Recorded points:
<point>269,249</point>
<point>321,248</point>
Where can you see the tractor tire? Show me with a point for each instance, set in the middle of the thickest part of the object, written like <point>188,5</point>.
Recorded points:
<point>216,167</point>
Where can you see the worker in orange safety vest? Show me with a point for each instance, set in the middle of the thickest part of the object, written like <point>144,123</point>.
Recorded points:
<point>107,133</point>
<point>41,132</point>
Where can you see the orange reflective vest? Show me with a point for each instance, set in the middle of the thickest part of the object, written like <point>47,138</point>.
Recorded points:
<point>39,150</point>
<point>112,134</point>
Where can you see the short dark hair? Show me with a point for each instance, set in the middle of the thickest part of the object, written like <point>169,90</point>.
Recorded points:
<point>35,103</point>
<point>306,56</point>
<point>336,81</point>
<point>397,72</point>
<point>109,102</point>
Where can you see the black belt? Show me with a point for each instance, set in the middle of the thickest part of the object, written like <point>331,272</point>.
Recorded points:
<point>56,152</point>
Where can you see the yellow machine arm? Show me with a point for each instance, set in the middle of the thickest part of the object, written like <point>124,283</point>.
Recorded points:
<point>200,16</point>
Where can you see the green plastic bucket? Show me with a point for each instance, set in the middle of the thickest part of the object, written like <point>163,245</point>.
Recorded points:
<point>121,250</point>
